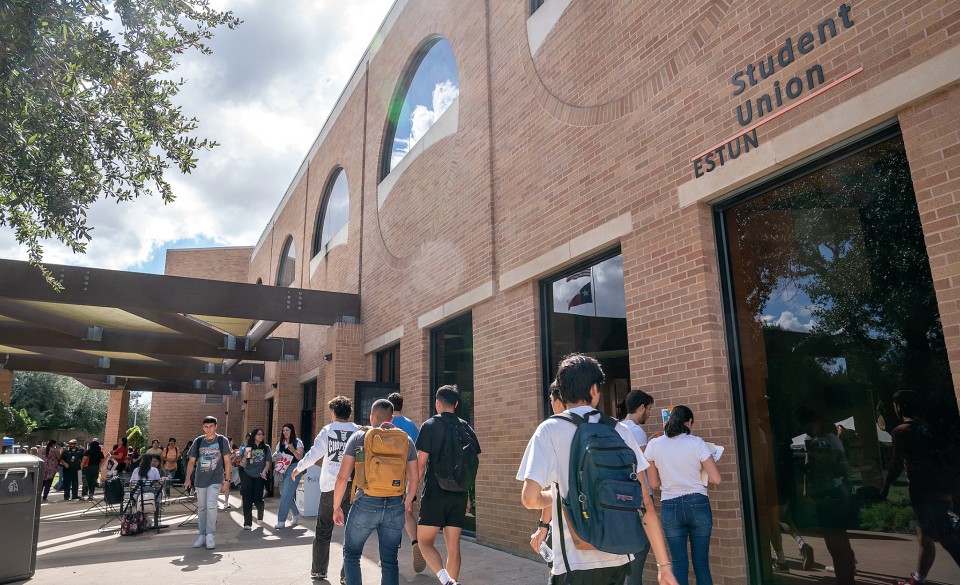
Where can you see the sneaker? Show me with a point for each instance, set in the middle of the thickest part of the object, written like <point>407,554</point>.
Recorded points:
<point>318,576</point>
<point>200,540</point>
<point>279,525</point>
<point>419,563</point>
<point>806,555</point>
<point>210,543</point>
<point>780,567</point>
<point>294,520</point>
<point>910,581</point>
<point>247,527</point>
<point>226,506</point>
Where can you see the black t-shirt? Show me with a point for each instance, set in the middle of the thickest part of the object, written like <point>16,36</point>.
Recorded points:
<point>433,434</point>
<point>95,457</point>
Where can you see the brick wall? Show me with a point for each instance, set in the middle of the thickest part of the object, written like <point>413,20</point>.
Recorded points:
<point>599,124</point>
<point>6,385</point>
<point>118,408</point>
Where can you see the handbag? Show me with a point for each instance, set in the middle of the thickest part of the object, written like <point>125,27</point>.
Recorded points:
<point>132,523</point>
<point>85,462</point>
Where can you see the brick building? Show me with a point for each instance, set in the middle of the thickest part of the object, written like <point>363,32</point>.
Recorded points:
<point>751,209</point>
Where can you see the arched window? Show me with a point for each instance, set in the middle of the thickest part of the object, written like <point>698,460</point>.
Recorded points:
<point>259,281</point>
<point>288,263</point>
<point>334,211</point>
<point>430,85</point>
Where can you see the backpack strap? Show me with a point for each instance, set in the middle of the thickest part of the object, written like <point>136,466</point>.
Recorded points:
<point>563,543</point>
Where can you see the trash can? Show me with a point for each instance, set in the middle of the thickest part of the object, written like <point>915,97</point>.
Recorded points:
<point>308,494</point>
<point>21,479</point>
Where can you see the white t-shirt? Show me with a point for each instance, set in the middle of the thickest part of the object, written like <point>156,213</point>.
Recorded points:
<point>152,475</point>
<point>678,459</point>
<point>547,460</point>
<point>638,433</point>
<point>329,446</point>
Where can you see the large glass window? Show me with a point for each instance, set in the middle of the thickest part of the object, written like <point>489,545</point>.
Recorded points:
<point>833,310</point>
<point>308,414</point>
<point>429,87</point>
<point>585,311</point>
<point>286,271</point>
<point>334,211</point>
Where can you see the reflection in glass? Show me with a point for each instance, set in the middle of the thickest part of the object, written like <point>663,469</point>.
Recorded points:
<point>587,314</point>
<point>334,212</point>
<point>288,263</point>
<point>835,311</point>
<point>431,90</point>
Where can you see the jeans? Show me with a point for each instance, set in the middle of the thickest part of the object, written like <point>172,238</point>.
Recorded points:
<point>690,517</point>
<point>207,498</point>
<point>385,515</point>
<point>251,493</point>
<point>321,543</point>
<point>288,493</point>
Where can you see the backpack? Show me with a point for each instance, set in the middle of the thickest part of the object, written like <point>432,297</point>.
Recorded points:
<point>604,504</point>
<point>456,467</point>
<point>381,469</point>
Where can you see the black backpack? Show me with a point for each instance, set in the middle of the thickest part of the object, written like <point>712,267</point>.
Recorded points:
<point>940,442</point>
<point>456,467</point>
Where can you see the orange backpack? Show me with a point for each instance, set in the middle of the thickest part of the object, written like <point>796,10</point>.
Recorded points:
<point>381,468</point>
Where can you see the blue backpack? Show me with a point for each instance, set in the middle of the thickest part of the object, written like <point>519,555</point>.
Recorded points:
<point>604,504</point>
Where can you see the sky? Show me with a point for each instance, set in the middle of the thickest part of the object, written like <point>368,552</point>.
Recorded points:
<point>264,94</point>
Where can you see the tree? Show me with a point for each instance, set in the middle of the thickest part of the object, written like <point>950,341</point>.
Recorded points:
<point>135,437</point>
<point>57,402</point>
<point>86,108</point>
<point>15,423</point>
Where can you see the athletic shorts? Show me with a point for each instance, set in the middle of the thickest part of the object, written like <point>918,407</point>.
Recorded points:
<point>445,509</point>
<point>931,513</point>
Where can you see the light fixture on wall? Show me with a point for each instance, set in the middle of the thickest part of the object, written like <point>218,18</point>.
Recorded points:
<point>328,357</point>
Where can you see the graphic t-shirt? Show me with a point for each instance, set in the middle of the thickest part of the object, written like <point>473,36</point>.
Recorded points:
<point>259,455</point>
<point>209,455</point>
<point>329,445</point>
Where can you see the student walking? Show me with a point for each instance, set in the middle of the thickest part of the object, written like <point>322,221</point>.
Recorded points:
<point>638,404</point>
<point>212,451</point>
<point>328,447</point>
<point>409,517</point>
<point>676,459</point>
<point>289,452</point>
<point>546,465</point>
<point>385,461</point>
<point>254,463</point>
<point>444,443</point>
<point>932,485</point>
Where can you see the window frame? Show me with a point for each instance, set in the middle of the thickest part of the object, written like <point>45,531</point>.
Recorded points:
<point>287,243</point>
<point>332,180</point>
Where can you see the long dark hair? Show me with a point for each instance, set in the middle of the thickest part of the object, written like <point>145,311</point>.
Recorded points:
<point>94,448</point>
<point>50,443</point>
<point>293,436</point>
<point>677,423</point>
<point>144,468</point>
<point>252,439</point>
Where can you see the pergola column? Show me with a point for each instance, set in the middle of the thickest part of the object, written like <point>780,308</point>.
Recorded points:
<point>118,413</point>
<point>6,385</point>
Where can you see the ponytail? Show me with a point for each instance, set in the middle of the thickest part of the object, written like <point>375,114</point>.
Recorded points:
<point>677,423</point>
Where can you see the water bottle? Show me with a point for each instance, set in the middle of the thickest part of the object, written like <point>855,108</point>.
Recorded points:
<point>546,552</point>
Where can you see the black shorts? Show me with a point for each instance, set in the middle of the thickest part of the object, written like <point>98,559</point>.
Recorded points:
<point>443,509</point>
<point>932,514</point>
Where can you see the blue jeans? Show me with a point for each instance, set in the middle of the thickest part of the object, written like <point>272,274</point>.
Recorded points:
<point>688,517</point>
<point>288,493</point>
<point>207,499</point>
<point>385,515</point>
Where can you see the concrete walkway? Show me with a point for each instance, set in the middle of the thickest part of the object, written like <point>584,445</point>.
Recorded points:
<point>73,551</point>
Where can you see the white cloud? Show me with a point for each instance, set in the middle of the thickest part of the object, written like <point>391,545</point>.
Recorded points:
<point>789,321</point>
<point>264,94</point>
<point>422,118</point>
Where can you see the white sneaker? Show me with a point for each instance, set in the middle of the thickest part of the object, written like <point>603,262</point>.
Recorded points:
<point>200,540</point>
<point>279,525</point>
<point>246,527</point>
<point>210,543</point>
<point>294,520</point>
